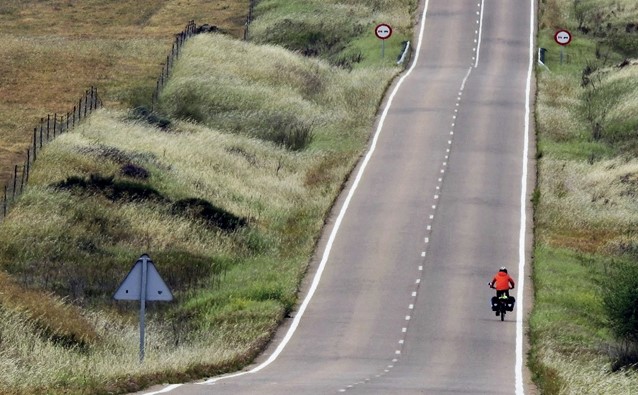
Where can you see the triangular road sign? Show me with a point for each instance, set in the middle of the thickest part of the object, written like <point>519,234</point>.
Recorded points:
<point>131,287</point>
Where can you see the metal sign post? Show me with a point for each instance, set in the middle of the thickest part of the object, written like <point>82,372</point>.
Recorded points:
<point>143,283</point>
<point>383,31</point>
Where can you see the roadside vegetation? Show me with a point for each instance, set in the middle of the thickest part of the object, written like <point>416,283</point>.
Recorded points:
<point>584,325</point>
<point>226,188</point>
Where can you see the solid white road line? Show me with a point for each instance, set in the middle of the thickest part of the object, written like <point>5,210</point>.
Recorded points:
<point>480,33</point>
<point>520,389</point>
<point>164,390</point>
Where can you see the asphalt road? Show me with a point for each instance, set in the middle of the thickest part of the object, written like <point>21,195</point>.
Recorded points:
<point>403,304</point>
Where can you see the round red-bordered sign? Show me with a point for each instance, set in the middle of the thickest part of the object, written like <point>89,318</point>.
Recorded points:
<point>383,31</point>
<point>563,37</point>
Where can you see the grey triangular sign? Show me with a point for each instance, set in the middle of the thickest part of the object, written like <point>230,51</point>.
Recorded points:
<point>131,287</point>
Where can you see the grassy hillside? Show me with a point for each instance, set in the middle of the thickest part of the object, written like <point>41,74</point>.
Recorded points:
<point>227,197</point>
<point>586,212</point>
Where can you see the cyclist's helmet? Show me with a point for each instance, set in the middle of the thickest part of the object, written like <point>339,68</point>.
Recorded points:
<point>503,269</point>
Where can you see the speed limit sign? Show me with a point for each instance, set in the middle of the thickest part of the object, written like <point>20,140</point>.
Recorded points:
<point>563,37</point>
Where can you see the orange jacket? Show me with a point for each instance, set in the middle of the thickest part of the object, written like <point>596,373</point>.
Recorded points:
<point>502,281</point>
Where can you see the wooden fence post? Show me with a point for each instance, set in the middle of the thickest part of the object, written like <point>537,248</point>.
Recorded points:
<point>24,170</point>
<point>35,131</point>
<point>86,99</point>
<point>55,124</point>
<point>4,203</point>
<point>28,164</point>
<point>48,127</point>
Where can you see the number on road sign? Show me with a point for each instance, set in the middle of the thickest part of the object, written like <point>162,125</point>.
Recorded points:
<point>383,31</point>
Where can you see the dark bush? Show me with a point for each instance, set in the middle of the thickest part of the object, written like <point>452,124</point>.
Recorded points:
<point>203,210</point>
<point>110,188</point>
<point>620,300</point>
<point>624,355</point>
<point>134,171</point>
<point>625,43</point>
<point>151,117</point>
<point>312,38</point>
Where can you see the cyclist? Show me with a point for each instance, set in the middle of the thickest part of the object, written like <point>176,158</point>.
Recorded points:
<point>502,282</point>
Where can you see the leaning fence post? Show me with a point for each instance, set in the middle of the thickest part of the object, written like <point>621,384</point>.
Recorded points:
<point>80,110</point>
<point>4,204</point>
<point>24,170</point>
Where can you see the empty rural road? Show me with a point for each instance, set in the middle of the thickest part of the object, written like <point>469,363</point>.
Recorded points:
<point>431,213</point>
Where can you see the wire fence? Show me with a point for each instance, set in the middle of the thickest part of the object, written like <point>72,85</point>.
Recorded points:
<point>56,124</point>
<point>180,38</point>
<point>48,129</point>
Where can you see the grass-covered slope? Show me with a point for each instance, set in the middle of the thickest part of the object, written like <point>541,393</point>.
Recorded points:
<point>586,207</point>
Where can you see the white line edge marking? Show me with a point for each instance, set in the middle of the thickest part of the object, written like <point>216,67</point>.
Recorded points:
<point>480,33</point>
<point>164,390</point>
<point>467,75</point>
<point>344,208</point>
<point>520,389</point>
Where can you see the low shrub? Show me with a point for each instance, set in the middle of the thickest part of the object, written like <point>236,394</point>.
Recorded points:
<point>110,188</point>
<point>290,132</point>
<point>134,171</point>
<point>200,209</point>
<point>624,355</point>
<point>151,117</point>
<point>620,300</point>
<point>312,38</point>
